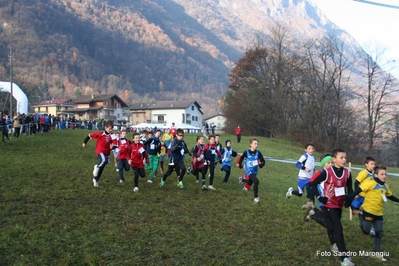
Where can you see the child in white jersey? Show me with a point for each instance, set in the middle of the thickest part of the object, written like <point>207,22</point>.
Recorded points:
<point>306,165</point>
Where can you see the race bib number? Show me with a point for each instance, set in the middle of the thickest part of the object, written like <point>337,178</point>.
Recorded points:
<point>339,191</point>
<point>152,146</point>
<point>182,151</point>
<point>253,163</point>
<point>227,159</point>
<point>123,141</point>
<point>384,198</point>
<point>213,152</point>
<point>113,136</point>
<point>141,150</point>
<point>201,156</point>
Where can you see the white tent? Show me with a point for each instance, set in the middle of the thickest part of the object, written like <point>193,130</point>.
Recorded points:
<point>18,94</point>
<point>145,125</point>
<point>186,126</point>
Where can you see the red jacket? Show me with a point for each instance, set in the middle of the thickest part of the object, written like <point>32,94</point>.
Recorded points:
<point>238,131</point>
<point>124,149</point>
<point>137,155</point>
<point>103,143</point>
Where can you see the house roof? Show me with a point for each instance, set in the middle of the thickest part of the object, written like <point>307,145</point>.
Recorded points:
<point>98,98</point>
<point>172,105</point>
<point>212,116</point>
<point>54,102</point>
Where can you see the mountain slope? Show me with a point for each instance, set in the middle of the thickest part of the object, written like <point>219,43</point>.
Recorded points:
<point>154,49</point>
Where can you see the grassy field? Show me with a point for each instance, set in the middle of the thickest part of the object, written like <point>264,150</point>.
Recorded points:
<point>51,214</point>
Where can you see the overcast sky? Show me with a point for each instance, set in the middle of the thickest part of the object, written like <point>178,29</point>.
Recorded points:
<point>368,24</point>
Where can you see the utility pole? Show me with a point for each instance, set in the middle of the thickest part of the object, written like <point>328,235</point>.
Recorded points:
<point>11,56</point>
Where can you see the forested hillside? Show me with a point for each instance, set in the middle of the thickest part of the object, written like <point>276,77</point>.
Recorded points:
<point>141,50</point>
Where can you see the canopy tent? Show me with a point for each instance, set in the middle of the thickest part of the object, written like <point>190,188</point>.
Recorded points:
<point>186,126</point>
<point>145,125</point>
<point>18,94</point>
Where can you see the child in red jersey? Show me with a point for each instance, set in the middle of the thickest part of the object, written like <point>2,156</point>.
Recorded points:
<point>330,189</point>
<point>123,145</point>
<point>326,162</point>
<point>103,148</point>
<point>198,162</point>
<point>137,155</point>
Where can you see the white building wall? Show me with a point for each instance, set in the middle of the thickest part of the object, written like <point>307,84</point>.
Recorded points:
<point>219,121</point>
<point>176,116</point>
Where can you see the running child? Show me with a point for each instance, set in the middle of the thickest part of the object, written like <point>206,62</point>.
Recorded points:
<point>306,165</point>
<point>123,145</point>
<point>162,155</point>
<point>245,176</point>
<point>219,147</point>
<point>227,154</point>
<point>176,161</point>
<point>253,159</point>
<point>104,145</point>
<point>137,156</point>
<point>153,149</point>
<point>210,152</point>
<point>376,193</point>
<point>326,162</point>
<point>115,153</point>
<point>167,138</point>
<point>198,163</point>
<point>363,175</point>
<point>330,188</point>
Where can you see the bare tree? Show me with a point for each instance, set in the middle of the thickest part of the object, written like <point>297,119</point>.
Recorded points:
<point>379,94</point>
<point>324,91</point>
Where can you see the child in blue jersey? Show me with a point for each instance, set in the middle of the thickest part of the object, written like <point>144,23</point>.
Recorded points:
<point>306,165</point>
<point>252,159</point>
<point>227,153</point>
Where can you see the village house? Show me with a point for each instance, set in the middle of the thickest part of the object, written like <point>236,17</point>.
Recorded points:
<point>95,107</point>
<point>54,107</point>
<point>167,112</point>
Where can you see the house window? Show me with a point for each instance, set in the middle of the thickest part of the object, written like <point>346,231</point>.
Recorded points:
<point>137,115</point>
<point>192,108</point>
<point>160,118</point>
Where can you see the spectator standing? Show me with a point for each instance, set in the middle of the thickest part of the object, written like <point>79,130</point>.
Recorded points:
<point>207,128</point>
<point>17,125</point>
<point>4,125</point>
<point>238,133</point>
<point>213,127</point>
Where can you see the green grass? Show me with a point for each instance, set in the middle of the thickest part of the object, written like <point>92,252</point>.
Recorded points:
<point>51,214</point>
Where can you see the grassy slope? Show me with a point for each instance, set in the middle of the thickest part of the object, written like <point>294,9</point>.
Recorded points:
<point>52,215</point>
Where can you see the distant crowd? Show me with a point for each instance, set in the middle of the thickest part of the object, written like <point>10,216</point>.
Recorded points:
<point>31,124</point>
